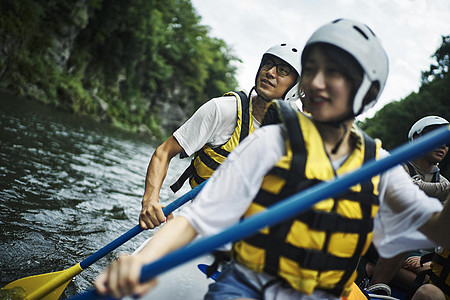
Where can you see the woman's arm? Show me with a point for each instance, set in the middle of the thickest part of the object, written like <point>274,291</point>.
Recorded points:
<point>403,210</point>
<point>221,203</point>
<point>437,228</point>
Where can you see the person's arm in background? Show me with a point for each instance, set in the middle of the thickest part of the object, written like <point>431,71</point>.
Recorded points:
<point>440,190</point>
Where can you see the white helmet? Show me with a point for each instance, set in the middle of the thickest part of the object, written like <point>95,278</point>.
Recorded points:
<point>420,125</point>
<point>290,54</point>
<point>360,42</point>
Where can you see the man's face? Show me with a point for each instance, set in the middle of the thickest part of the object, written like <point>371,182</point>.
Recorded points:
<point>272,85</point>
<point>438,154</point>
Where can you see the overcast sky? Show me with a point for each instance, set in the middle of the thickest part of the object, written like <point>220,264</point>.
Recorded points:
<point>410,31</point>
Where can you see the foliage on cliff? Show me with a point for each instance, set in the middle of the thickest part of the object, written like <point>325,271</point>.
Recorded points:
<point>137,63</point>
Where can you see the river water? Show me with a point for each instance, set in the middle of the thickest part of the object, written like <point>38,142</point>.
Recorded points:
<point>68,186</point>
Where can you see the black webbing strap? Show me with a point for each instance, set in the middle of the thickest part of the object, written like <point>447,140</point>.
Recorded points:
<point>440,280</point>
<point>190,171</point>
<point>412,171</point>
<point>436,177</point>
<point>306,258</point>
<point>245,126</point>
<point>185,176</point>
<point>330,221</point>
<point>220,258</point>
<point>206,159</point>
<point>366,211</point>
<point>295,173</point>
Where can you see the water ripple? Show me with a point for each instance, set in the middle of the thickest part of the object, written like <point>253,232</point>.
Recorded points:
<point>68,187</point>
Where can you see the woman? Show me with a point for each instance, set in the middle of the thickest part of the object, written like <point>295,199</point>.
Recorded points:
<point>314,255</point>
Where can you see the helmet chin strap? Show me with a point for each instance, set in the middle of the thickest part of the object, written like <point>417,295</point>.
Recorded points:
<point>339,123</point>
<point>339,143</point>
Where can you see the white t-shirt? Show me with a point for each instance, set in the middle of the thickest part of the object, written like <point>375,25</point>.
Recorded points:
<point>225,198</point>
<point>212,124</point>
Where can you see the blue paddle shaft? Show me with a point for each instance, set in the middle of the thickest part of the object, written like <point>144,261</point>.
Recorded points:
<point>289,207</point>
<point>137,229</point>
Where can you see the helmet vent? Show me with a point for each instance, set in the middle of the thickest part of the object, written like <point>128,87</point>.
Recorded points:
<point>361,32</point>
<point>370,30</point>
<point>294,50</point>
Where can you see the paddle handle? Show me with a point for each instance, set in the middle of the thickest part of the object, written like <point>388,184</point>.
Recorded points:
<point>137,229</point>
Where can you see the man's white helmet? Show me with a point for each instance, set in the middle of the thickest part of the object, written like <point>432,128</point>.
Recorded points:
<point>360,42</point>
<point>420,125</point>
<point>290,54</point>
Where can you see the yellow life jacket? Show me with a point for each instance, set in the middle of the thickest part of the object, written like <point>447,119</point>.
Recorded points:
<point>319,248</point>
<point>440,271</point>
<point>208,159</point>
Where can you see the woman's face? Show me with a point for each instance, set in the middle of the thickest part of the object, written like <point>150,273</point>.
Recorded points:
<point>327,90</point>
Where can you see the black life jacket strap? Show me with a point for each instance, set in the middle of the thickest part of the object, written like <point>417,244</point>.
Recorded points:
<point>190,173</point>
<point>176,186</point>
<point>325,221</point>
<point>440,281</point>
<point>436,177</point>
<point>411,170</point>
<point>220,258</point>
<point>207,160</point>
<point>245,126</point>
<point>366,211</point>
<point>306,258</point>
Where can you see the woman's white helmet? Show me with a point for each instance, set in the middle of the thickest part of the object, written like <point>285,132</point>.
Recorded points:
<point>290,54</point>
<point>420,125</point>
<point>359,41</point>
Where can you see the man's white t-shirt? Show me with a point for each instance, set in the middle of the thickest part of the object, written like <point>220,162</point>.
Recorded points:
<point>212,124</point>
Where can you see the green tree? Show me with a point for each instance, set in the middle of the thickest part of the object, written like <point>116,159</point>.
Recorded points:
<point>118,60</point>
<point>392,123</point>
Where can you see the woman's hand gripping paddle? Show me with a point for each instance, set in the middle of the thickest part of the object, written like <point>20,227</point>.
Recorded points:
<point>50,286</point>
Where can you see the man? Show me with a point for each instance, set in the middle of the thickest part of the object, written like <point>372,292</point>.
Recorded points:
<point>218,126</point>
<point>424,171</point>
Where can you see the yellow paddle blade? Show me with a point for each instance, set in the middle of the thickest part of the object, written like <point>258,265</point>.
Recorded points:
<point>48,286</point>
<point>355,294</point>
